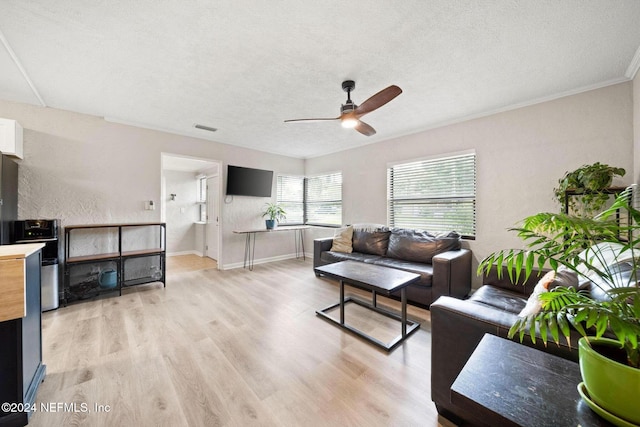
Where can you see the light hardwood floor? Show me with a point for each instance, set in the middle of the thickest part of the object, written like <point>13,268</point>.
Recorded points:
<point>231,348</point>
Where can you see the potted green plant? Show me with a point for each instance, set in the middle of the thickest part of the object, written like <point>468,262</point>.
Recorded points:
<point>587,183</point>
<point>592,249</point>
<point>275,213</point>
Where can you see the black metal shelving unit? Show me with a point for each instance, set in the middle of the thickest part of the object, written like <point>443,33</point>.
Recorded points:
<point>90,286</point>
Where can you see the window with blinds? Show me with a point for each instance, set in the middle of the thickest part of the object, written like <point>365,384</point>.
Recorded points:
<point>323,199</point>
<point>290,195</point>
<point>435,195</point>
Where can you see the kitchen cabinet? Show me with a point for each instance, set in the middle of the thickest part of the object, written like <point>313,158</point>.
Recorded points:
<point>21,367</point>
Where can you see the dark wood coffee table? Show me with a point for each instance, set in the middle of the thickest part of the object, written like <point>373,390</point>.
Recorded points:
<point>377,279</point>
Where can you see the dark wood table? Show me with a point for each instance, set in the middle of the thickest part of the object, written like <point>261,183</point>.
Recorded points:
<point>377,279</point>
<point>505,383</point>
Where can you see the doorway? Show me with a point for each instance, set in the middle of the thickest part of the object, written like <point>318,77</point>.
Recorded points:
<point>193,217</point>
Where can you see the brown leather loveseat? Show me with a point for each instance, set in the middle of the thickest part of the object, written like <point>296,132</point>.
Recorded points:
<point>444,267</point>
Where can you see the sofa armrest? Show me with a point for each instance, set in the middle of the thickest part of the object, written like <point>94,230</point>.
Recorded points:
<point>320,245</point>
<point>457,326</point>
<point>451,274</point>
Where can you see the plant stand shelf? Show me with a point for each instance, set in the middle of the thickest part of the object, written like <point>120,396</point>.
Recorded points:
<point>119,260</point>
<point>611,191</point>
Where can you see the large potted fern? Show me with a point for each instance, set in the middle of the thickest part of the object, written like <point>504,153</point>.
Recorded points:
<point>592,248</point>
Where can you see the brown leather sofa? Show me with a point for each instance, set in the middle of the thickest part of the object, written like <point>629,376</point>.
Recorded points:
<point>457,327</point>
<point>444,267</point>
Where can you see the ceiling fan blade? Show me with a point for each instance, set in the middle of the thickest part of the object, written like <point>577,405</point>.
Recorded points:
<point>311,120</point>
<point>365,129</point>
<point>378,100</point>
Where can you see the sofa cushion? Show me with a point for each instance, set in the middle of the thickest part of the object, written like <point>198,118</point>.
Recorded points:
<point>420,246</point>
<point>372,241</point>
<point>330,257</point>
<point>342,239</point>
<point>424,270</point>
<point>499,298</point>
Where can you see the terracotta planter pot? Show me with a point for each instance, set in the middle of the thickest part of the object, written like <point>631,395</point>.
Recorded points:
<point>613,386</point>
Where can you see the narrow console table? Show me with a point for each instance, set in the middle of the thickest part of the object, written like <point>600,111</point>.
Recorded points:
<point>21,368</point>
<point>250,241</point>
<point>505,383</point>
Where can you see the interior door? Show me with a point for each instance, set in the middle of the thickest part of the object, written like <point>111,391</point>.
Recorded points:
<point>213,218</point>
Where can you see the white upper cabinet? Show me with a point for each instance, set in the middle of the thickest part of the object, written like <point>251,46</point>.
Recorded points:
<point>11,138</point>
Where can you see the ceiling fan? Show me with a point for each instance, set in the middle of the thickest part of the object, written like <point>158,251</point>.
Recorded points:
<point>350,113</point>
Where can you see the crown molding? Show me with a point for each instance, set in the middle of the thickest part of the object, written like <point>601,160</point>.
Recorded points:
<point>18,64</point>
<point>634,66</point>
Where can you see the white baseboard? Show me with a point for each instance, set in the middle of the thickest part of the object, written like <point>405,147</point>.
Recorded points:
<point>200,254</point>
<point>233,265</point>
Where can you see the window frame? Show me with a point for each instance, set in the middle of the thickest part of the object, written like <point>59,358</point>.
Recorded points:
<point>467,230</point>
<point>286,202</point>
<point>203,214</point>
<point>329,203</point>
<point>306,202</point>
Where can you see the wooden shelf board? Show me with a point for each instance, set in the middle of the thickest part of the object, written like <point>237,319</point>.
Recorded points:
<point>137,224</point>
<point>153,251</point>
<point>98,257</point>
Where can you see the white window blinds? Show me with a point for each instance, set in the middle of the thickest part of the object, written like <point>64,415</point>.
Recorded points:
<point>324,199</point>
<point>434,195</point>
<point>290,196</point>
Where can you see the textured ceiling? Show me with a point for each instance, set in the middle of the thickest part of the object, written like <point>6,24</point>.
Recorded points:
<point>244,67</point>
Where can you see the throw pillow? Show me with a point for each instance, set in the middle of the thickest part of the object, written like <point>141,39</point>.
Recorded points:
<point>549,281</point>
<point>342,240</point>
<point>533,303</point>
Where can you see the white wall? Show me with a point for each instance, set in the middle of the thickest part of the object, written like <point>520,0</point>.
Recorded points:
<point>520,156</point>
<point>82,169</point>
<point>181,213</point>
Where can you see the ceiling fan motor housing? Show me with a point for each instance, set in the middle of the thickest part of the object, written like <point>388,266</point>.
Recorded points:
<point>348,107</point>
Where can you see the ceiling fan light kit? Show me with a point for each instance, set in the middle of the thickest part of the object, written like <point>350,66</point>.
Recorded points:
<point>349,122</point>
<point>350,113</point>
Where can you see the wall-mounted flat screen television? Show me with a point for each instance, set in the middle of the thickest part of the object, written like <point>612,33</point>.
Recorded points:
<point>249,182</point>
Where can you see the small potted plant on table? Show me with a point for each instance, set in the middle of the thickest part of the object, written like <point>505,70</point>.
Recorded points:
<point>274,213</point>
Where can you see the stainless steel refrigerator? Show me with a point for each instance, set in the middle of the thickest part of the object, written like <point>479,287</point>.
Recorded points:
<point>8,198</point>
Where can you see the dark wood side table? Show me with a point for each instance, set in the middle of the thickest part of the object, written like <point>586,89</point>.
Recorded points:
<point>505,383</point>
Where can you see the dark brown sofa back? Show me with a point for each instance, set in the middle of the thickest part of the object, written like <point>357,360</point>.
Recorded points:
<point>420,246</point>
<point>374,242</point>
